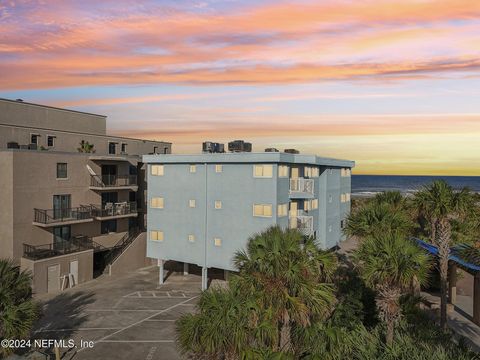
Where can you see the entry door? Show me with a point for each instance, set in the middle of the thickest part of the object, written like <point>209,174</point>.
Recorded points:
<point>109,173</point>
<point>293,214</point>
<point>294,173</point>
<point>61,206</point>
<point>74,272</point>
<point>53,278</point>
<point>61,235</point>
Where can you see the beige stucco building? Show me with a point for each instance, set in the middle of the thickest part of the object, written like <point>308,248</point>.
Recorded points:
<point>69,209</point>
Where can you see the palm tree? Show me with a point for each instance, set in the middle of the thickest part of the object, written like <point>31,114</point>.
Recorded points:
<point>388,263</point>
<point>287,274</point>
<point>440,205</point>
<point>86,147</point>
<point>393,198</point>
<point>378,218</point>
<point>18,312</point>
<point>222,327</point>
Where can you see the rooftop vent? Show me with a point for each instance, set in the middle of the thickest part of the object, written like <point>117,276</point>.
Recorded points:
<point>291,151</point>
<point>271,150</point>
<point>239,146</point>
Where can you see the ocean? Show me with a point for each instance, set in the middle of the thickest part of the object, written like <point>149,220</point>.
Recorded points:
<point>365,185</point>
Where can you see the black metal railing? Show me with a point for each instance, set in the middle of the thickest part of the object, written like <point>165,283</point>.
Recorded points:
<point>114,209</point>
<point>74,244</point>
<point>121,245</point>
<point>49,216</point>
<point>113,180</point>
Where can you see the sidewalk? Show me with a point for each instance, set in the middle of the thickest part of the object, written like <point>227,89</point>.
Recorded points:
<point>459,318</point>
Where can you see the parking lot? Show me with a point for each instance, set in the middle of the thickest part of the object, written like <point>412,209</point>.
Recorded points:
<point>127,317</point>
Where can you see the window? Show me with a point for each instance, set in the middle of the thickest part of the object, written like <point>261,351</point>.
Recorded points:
<point>342,172</point>
<point>157,170</point>
<point>218,168</point>
<point>308,171</point>
<point>108,226</point>
<point>50,141</point>
<point>191,238</point>
<point>157,202</point>
<point>315,172</point>
<point>347,197</point>
<point>191,203</point>
<point>112,148</point>
<point>265,171</point>
<point>282,210</point>
<point>262,210</point>
<point>62,171</point>
<point>314,203</point>
<point>193,168</point>
<point>283,171</point>
<point>343,223</point>
<point>349,172</point>
<point>34,139</point>
<point>165,150</point>
<point>330,198</point>
<point>217,241</point>
<point>342,198</point>
<point>329,228</point>
<point>155,149</point>
<point>330,171</point>
<point>156,235</point>
<point>218,204</point>
<point>124,148</point>
<point>307,205</point>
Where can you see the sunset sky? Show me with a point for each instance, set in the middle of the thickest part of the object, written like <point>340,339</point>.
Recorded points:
<point>391,84</point>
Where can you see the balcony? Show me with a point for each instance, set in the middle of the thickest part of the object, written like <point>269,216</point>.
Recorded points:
<point>55,217</point>
<point>302,223</point>
<point>74,244</point>
<point>114,210</point>
<point>301,188</point>
<point>113,182</point>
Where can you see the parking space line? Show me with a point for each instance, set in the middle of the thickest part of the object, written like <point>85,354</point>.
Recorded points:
<point>79,329</point>
<point>141,321</point>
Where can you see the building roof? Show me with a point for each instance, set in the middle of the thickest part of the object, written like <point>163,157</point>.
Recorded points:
<point>247,157</point>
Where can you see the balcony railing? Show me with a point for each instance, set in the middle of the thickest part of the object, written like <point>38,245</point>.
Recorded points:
<point>51,216</point>
<point>114,209</point>
<point>74,244</point>
<point>304,224</point>
<point>302,185</point>
<point>105,181</point>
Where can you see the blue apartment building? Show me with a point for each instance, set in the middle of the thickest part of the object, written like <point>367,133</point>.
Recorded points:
<point>203,208</point>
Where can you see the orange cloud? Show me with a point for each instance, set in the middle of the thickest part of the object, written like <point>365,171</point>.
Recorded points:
<point>275,43</point>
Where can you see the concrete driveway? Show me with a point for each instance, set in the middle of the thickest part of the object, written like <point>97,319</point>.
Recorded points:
<point>127,317</point>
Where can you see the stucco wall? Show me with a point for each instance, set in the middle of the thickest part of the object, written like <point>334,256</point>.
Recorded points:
<point>6,198</point>
<point>133,258</point>
<point>233,224</point>
<point>31,115</point>
<point>39,268</point>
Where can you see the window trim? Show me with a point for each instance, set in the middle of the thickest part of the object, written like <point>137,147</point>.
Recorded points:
<point>192,168</point>
<point>66,171</point>
<point>263,171</point>
<point>53,137</point>
<point>191,238</point>
<point>217,241</point>
<point>161,199</point>
<point>160,238</point>
<point>219,203</point>
<point>192,202</point>
<point>263,210</point>
<point>218,168</point>
<point>159,167</point>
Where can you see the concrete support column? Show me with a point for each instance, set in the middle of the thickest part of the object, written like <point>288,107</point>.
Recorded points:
<point>161,275</point>
<point>185,268</point>
<point>204,278</point>
<point>452,283</point>
<point>476,299</point>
